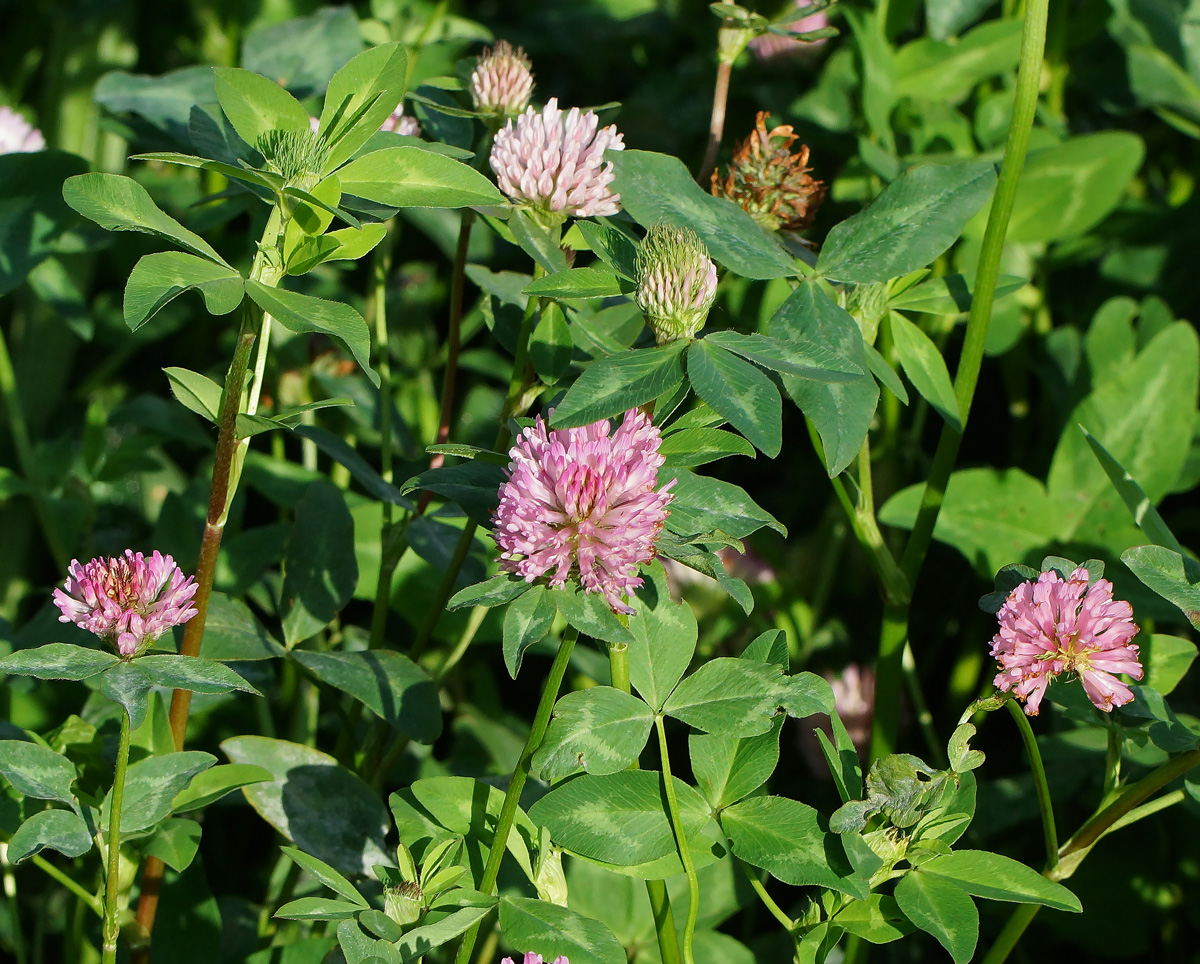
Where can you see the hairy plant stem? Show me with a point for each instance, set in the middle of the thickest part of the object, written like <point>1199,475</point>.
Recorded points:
<point>111,927</point>
<point>512,404</point>
<point>685,853</point>
<point>512,797</point>
<point>716,124</point>
<point>656,890</point>
<point>453,345</point>
<point>894,635</point>
<point>227,466</point>
<point>1127,808</point>
<point>389,548</point>
<point>1045,805</point>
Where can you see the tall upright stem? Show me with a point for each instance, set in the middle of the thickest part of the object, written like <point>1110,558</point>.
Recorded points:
<point>685,853</point>
<point>508,810</point>
<point>112,876</point>
<point>890,669</point>
<point>1045,805</point>
<point>656,890</point>
<point>227,463</point>
<point>716,123</point>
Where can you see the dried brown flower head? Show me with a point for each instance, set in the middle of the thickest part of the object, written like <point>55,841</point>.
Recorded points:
<point>769,181</point>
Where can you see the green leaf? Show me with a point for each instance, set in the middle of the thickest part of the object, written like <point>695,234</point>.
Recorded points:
<point>473,485</point>
<point>119,203</point>
<point>256,105</point>
<point>949,294</point>
<point>216,782</point>
<point>175,843</point>
<point>590,613</point>
<point>618,818</point>
<point>318,908</point>
<point>807,360</point>
<point>541,243</point>
<point>1173,576</point>
<point>231,633</point>
<point>57,661</point>
<point>151,786</point>
<point>408,177</point>
<point>159,278</point>
<point>266,181</point>
<point>841,411</point>
<point>59,830</point>
<point>1068,188</point>
<point>576,283</point>
<point>389,684</point>
<point>996,877</point>
<point>730,697</point>
<point>925,368</point>
<point>877,919</point>
<point>728,768</point>
<point>915,219</point>
<point>526,621</point>
<point>348,836</point>
<point>360,97</point>
<point>991,516</point>
<point>791,842</point>
<point>614,247</point>
<point>948,72</point>
<point>502,588</point>
<point>194,673</point>
<point>418,942</point>
<point>35,221</point>
<point>612,385</point>
<point>1166,659</point>
<point>550,345</point>
<point>600,729</point>
<point>664,641</point>
<point>885,374</point>
<point>37,771</point>
<point>540,927</point>
<point>705,504</point>
<point>1136,501</point>
<point>658,189</point>
<point>301,313</point>
<point>337,449</point>
<point>942,909</point>
<point>128,684</point>
<point>739,393</point>
<point>327,875</point>
<point>320,569</point>
<point>196,392</point>
<point>690,447</point>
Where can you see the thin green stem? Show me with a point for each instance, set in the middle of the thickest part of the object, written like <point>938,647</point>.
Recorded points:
<point>685,853</point>
<point>508,810</point>
<point>1045,804</point>
<point>1112,761</point>
<point>1007,939</point>
<point>112,877</point>
<point>777,912</point>
<point>895,634</point>
<point>656,890</point>
<point>445,589</point>
<point>474,621</point>
<point>1148,809</point>
<point>10,891</point>
<point>89,900</point>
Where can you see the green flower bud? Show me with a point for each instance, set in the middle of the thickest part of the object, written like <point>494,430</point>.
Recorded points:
<point>677,282</point>
<point>403,904</point>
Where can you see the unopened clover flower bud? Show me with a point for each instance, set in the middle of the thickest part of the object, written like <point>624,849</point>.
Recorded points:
<point>677,282</point>
<point>403,904</point>
<point>551,882</point>
<point>773,185</point>
<point>502,81</point>
<point>17,135</point>
<point>129,601</point>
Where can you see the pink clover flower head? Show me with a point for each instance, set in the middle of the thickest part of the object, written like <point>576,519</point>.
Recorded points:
<point>128,601</point>
<point>1053,626</point>
<point>677,282</point>
<point>554,163</point>
<point>581,503</point>
<point>17,135</point>
<point>502,81</point>
<point>532,958</point>
<point>401,123</point>
<point>773,46</point>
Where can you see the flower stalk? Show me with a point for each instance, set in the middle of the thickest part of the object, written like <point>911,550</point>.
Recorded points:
<point>512,797</point>
<point>685,853</point>
<point>111,927</point>
<point>895,635</point>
